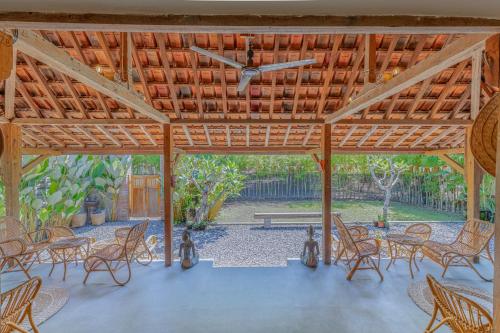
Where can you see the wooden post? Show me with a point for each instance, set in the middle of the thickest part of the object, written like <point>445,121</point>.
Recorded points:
<point>370,59</point>
<point>10,162</point>
<point>326,147</point>
<point>473,178</point>
<point>496,264</point>
<point>167,191</point>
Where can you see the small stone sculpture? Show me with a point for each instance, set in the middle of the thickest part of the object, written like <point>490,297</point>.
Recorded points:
<point>187,251</point>
<point>310,253</point>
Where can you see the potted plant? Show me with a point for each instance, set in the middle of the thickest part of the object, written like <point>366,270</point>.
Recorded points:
<point>378,239</point>
<point>381,222</point>
<point>98,217</point>
<point>79,219</point>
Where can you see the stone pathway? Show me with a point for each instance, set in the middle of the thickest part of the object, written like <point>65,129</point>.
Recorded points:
<point>251,245</point>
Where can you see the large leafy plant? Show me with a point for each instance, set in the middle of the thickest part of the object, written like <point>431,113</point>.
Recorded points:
<point>55,190</point>
<point>109,176</point>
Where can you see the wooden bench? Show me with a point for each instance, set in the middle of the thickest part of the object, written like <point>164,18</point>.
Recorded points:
<point>268,217</point>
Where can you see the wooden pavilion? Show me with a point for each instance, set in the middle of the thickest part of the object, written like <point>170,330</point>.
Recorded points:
<point>129,84</point>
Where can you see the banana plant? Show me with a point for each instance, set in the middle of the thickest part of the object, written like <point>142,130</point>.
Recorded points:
<point>109,177</point>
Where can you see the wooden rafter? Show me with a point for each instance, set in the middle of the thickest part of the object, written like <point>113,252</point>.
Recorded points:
<point>424,136</point>
<point>148,135</point>
<point>452,163</point>
<point>129,135</point>
<point>455,52</point>
<point>37,47</point>
<point>367,136</point>
<point>110,136</point>
<point>89,135</point>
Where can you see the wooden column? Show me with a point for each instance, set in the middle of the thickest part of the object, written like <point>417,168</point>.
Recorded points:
<point>473,178</point>
<point>167,192</point>
<point>326,149</point>
<point>496,264</point>
<point>11,170</point>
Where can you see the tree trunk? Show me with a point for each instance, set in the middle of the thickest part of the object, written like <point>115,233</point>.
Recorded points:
<point>387,202</point>
<point>201,211</point>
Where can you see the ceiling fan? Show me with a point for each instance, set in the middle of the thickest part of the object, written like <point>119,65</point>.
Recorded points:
<point>249,70</point>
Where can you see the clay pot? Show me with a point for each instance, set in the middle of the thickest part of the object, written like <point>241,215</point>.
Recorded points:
<point>78,220</point>
<point>98,218</point>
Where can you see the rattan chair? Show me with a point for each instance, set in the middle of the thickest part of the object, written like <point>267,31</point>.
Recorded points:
<point>472,239</point>
<point>360,251</point>
<point>16,306</point>
<point>113,257</point>
<point>60,232</point>
<point>459,313</point>
<point>143,255</point>
<point>357,232</point>
<point>20,252</point>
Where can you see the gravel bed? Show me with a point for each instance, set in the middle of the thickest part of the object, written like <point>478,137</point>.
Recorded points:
<point>251,245</point>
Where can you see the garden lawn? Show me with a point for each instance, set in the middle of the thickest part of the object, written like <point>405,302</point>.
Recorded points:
<point>351,210</point>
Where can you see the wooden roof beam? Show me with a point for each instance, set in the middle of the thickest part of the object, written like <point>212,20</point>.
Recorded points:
<point>129,135</point>
<point>248,135</point>
<point>228,135</point>
<point>70,135</point>
<point>188,136</point>
<point>441,136</point>
<point>452,54</point>
<point>45,86</point>
<point>387,133</point>
<point>348,136</point>
<point>148,135</point>
<point>452,163</point>
<point>207,135</point>
<point>371,59</point>
<point>10,87</point>
<point>90,135</point>
<point>404,137</point>
<point>196,79</point>
<point>27,97</point>
<point>110,136</point>
<point>308,135</point>
<point>105,48</point>
<point>33,163</point>
<point>329,74</point>
<point>287,133</point>
<point>168,73</point>
<point>37,47</point>
<point>424,136</point>
<point>268,134</point>
<point>367,136</point>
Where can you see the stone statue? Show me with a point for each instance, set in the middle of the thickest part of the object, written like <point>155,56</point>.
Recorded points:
<point>310,253</point>
<point>187,251</point>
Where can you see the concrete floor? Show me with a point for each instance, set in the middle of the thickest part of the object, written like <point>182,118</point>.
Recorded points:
<point>278,299</point>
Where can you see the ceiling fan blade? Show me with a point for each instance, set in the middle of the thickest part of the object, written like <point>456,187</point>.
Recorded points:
<point>244,81</point>
<point>284,65</point>
<point>217,57</point>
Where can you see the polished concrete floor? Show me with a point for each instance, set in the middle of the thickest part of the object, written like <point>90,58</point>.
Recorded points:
<point>278,299</point>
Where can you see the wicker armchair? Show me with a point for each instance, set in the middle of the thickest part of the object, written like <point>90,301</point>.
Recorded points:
<point>113,257</point>
<point>19,253</point>
<point>472,239</point>
<point>60,232</point>
<point>144,248</point>
<point>16,306</point>
<point>360,251</point>
<point>461,314</point>
<point>357,232</point>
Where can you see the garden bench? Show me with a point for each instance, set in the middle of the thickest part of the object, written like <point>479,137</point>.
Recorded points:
<point>268,217</point>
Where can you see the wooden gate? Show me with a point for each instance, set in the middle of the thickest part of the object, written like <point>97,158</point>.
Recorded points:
<point>145,196</point>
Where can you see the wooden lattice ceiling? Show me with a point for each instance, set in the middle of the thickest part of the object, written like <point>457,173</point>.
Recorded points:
<point>280,111</point>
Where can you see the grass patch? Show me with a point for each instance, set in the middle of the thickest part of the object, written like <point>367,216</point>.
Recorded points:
<point>356,210</point>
